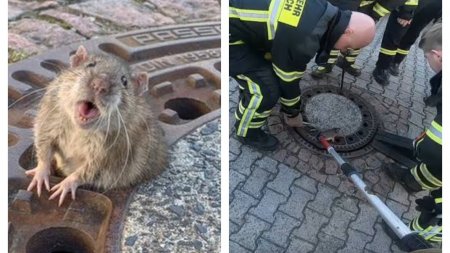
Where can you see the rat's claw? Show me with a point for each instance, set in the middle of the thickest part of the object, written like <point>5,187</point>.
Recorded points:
<point>69,184</point>
<point>40,176</point>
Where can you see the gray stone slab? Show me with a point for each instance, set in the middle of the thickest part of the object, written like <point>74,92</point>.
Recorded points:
<point>328,243</point>
<point>235,178</point>
<point>324,199</point>
<point>234,247</point>
<point>299,246</point>
<point>311,225</point>
<point>249,232</point>
<point>281,229</point>
<point>245,160</point>
<point>296,202</point>
<point>356,242</point>
<point>381,242</point>
<point>265,246</point>
<point>338,224</point>
<point>240,205</point>
<point>366,219</point>
<point>268,205</point>
<point>268,164</point>
<point>307,184</point>
<point>256,182</point>
<point>283,180</point>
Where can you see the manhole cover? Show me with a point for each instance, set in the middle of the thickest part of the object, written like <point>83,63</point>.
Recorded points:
<point>326,108</point>
<point>183,64</point>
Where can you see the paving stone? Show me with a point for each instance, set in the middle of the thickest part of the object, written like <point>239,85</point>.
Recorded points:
<point>317,175</point>
<point>283,180</point>
<point>381,242</point>
<point>84,25</point>
<point>240,205</point>
<point>252,229</point>
<point>256,182</point>
<point>324,199</point>
<point>304,155</point>
<point>348,203</point>
<point>268,205</point>
<point>265,246</point>
<point>291,161</point>
<point>281,229</point>
<point>311,225</point>
<point>334,180</point>
<point>366,218</point>
<point>245,160</point>
<point>267,164</point>
<point>234,227</point>
<point>331,167</point>
<point>235,146</point>
<point>339,223</point>
<point>123,13</point>
<point>328,243</point>
<point>296,202</point>
<point>280,155</point>
<point>399,194</point>
<point>306,183</point>
<point>235,179</point>
<point>43,33</point>
<point>297,245</point>
<point>355,242</point>
<point>22,44</point>
<point>397,208</point>
<point>234,247</point>
<point>189,10</point>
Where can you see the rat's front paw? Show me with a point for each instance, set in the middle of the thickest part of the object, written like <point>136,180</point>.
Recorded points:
<point>40,176</point>
<point>69,184</point>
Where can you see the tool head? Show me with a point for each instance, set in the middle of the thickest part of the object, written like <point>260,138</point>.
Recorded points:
<point>329,135</point>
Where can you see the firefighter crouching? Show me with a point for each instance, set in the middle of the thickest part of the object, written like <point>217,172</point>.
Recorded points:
<point>289,33</point>
<point>427,174</point>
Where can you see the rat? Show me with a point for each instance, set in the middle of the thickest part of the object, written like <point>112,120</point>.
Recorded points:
<point>94,128</point>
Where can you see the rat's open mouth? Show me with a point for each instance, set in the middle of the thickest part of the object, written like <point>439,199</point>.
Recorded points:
<point>87,112</point>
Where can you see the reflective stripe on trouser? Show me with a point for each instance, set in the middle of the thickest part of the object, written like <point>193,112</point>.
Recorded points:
<point>351,56</point>
<point>425,178</point>
<point>289,102</point>
<point>332,59</point>
<point>249,111</point>
<point>392,36</point>
<point>380,10</point>
<point>431,233</point>
<point>435,132</point>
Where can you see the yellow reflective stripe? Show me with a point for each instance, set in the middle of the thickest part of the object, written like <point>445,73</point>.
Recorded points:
<point>437,126</point>
<point>241,107</point>
<point>268,56</point>
<point>438,200</point>
<point>256,124</point>
<point>255,101</point>
<point>240,87</point>
<point>289,102</point>
<point>292,12</point>
<point>412,2</point>
<point>355,52</point>
<point>236,115</point>
<point>432,232</point>
<point>387,51</point>
<point>378,8</point>
<point>416,225</point>
<point>435,136</point>
<point>287,76</point>
<point>424,231</point>
<point>350,58</point>
<point>263,114</point>
<point>364,3</point>
<point>239,42</point>
<point>419,180</point>
<point>401,51</point>
<point>334,52</point>
<point>332,60</point>
<point>274,13</point>
<point>321,68</point>
<point>426,173</point>
<point>249,15</point>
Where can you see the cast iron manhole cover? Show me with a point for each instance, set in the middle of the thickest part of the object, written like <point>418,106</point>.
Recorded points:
<point>326,108</point>
<point>183,64</point>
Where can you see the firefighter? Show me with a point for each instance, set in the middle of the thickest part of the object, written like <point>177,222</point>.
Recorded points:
<point>271,41</point>
<point>377,10</point>
<point>426,12</point>
<point>427,174</point>
<point>396,27</point>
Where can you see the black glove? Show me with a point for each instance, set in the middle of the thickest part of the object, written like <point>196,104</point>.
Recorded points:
<point>428,205</point>
<point>291,111</point>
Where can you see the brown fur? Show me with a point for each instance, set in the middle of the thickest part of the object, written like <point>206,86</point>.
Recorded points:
<point>99,153</point>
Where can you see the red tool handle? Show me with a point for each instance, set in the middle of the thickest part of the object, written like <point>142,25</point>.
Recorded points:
<point>324,142</point>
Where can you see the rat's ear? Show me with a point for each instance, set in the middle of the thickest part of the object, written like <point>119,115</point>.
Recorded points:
<point>79,57</point>
<point>140,83</point>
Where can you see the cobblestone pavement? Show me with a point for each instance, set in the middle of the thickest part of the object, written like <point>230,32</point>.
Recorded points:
<point>36,26</point>
<point>180,210</point>
<point>291,200</point>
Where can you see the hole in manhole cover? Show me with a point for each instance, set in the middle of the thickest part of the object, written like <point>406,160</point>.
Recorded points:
<point>60,240</point>
<point>187,108</point>
<point>326,108</point>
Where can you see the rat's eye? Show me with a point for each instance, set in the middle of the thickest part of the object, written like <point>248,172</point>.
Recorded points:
<point>124,80</point>
<point>91,64</point>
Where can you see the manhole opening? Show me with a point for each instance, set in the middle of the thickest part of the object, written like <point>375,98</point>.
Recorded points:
<point>187,108</point>
<point>28,158</point>
<point>60,240</point>
<point>359,135</point>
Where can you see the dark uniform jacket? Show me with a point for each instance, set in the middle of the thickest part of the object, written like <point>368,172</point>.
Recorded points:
<point>293,31</point>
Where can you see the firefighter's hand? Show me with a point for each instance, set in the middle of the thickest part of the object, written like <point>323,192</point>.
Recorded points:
<point>404,22</point>
<point>427,205</point>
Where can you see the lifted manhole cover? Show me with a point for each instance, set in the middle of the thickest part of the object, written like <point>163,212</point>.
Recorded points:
<point>183,63</point>
<point>326,108</point>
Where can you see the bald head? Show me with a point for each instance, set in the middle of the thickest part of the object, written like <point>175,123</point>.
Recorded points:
<point>359,32</point>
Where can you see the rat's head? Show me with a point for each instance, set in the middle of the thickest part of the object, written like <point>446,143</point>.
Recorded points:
<point>101,88</point>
